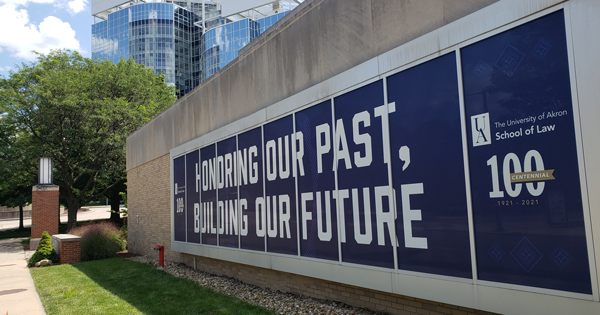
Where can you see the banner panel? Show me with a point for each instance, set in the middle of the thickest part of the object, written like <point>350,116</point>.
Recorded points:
<point>252,205</point>
<point>179,201</point>
<point>363,177</point>
<point>318,180</point>
<point>280,186</point>
<point>227,204</point>
<point>208,196</point>
<point>192,207</point>
<point>427,169</point>
<point>528,213</point>
<point>316,183</point>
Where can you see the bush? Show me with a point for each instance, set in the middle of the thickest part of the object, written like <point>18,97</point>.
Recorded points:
<point>43,251</point>
<point>124,232</point>
<point>99,241</point>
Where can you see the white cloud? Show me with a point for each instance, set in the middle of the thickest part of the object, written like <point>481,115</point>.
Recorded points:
<point>7,68</point>
<point>72,6</point>
<point>20,36</point>
<point>25,2</point>
<point>76,6</point>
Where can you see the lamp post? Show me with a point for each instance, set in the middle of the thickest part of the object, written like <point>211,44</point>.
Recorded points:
<point>45,171</point>
<point>44,203</point>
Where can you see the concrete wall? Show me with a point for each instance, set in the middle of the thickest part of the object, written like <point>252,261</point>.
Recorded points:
<point>316,41</point>
<point>13,213</point>
<point>101,5</point>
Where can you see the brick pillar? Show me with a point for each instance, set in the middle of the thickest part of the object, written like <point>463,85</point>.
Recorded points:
<point>68,248</point>
<point>45,210</point>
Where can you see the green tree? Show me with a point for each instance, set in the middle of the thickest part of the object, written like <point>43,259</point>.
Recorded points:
<point>17,178</point>
<point>79,111</point>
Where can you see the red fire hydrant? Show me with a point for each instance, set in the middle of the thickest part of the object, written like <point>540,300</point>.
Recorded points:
<point>161,256</point>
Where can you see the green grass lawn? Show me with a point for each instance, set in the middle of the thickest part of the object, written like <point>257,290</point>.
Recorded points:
<point>121,286</point>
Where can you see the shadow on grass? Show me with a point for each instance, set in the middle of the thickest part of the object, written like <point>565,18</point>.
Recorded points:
<point>156,292</point>
<point>26,232</point>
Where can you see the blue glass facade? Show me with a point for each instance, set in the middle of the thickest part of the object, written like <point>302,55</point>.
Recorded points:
<point>221,44</point>
<point>268,21</point>
<point>168,38</point>
<point>153,34</point>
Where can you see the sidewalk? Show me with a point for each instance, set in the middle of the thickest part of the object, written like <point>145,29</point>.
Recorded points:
<point>17,291</point>
<point>93,213</point>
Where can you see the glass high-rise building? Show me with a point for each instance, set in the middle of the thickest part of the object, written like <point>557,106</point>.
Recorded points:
<point>187,41</point>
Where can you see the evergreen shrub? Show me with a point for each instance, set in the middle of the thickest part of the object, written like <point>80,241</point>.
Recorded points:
<point>43,251</point>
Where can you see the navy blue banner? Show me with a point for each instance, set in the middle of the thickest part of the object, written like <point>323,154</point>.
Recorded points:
<point>227,194</point>
<point>428,169</point>
<point>252,206</point>
<point>527,206</point>
<point>192,207</point>
<point>316,183</point>
<point>326,177</point>
<point>280,186</point>
<point>363,186</point>
<point>179,198</point>
<point>208,195</point>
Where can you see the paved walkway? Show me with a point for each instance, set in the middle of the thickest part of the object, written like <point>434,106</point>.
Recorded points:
<point>17,291</point>
<point>92,213</point>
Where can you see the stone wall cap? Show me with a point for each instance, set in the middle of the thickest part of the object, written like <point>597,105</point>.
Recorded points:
<point>66,237</point>
<point>45,188</point>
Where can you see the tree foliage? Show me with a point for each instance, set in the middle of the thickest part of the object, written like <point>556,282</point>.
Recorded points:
<point>17,178</point>
<point>79,111</point>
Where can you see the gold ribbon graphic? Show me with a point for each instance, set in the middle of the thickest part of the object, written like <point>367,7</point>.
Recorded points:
<point>534,176</point>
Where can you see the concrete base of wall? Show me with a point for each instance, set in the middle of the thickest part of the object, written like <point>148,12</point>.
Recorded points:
<point>321,289</point>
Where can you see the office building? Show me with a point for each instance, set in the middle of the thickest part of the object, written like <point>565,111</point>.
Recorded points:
<point>187,41</point>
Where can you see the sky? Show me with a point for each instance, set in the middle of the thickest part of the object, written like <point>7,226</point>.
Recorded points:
<point>42,25</point>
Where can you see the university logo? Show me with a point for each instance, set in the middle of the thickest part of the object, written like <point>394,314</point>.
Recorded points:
<point>480,129</point>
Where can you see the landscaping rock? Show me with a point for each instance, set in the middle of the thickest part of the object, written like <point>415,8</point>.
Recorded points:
<point>43,263</point>
<point>280,302</point>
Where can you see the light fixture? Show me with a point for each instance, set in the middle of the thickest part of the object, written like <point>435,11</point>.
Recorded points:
<point>45,168</point>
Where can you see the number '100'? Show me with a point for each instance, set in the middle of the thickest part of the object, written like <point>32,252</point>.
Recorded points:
<point>532,156</point>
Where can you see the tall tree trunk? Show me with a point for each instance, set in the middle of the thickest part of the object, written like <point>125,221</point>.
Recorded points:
<point>21,217</point>
<point>72,216</point>
<point>115,203</point>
